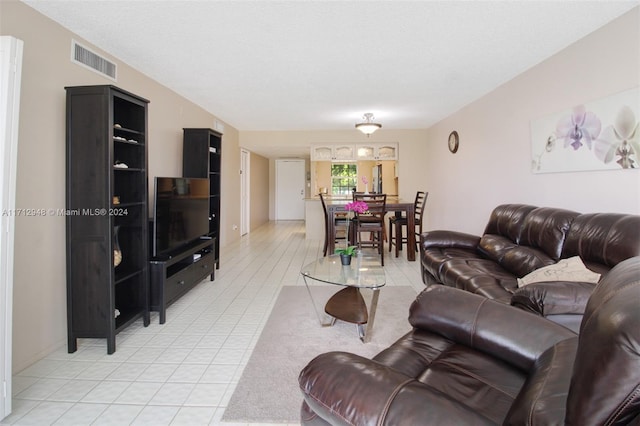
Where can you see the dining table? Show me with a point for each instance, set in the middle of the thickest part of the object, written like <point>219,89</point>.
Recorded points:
<point>395,204</point>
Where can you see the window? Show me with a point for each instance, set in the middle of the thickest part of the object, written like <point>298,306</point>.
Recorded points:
<point>344,177</point>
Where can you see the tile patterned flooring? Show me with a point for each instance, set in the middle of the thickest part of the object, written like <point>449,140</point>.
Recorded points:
<point>185,371</point>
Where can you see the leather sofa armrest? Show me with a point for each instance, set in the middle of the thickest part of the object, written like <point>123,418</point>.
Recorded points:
<point>553,297</point>
<point>507,333</point>
<point>446,238</point>
<point>543,398</point>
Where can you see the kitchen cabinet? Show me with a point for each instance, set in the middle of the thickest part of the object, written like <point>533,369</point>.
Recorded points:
<point>337,152</point>
<point>386,151</point>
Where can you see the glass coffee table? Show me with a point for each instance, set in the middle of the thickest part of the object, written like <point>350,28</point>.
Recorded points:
<point>347,304</point>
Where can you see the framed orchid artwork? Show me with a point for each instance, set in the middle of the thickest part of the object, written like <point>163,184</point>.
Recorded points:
<point>599,135</point>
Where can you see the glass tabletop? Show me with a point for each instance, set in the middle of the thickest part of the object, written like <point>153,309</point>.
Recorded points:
<point>364,271</point>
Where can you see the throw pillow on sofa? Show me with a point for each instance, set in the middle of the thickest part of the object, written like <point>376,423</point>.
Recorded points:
<point>571,269</point>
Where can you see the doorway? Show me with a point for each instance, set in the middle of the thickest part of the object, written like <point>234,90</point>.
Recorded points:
<point>10,70</point>
<point>290,179</point>
<point>245,192</point>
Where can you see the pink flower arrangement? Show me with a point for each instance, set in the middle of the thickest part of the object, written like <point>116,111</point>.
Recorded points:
<point>357,206</point>
<point>365,180</point>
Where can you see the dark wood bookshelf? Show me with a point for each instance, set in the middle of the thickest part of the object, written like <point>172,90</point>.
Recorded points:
<point>202,158</point>
<point>106,126</point>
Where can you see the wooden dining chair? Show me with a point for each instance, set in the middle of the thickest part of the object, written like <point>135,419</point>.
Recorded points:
<point>340,224</point>
<point>398,223</point>
<point>371,223</point>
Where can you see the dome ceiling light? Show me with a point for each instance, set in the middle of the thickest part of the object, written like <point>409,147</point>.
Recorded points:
<point>368,126</point>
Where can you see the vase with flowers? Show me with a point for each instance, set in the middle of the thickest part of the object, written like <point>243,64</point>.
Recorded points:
<point>349,250</point>
<point>365,181</point>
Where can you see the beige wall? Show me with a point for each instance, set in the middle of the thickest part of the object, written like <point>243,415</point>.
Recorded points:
<point>259,200</point>
<point>39,276</point>
<point>492,165</point>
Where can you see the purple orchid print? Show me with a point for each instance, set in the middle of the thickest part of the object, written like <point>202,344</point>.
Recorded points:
<point>621,139</point>
<point>581,127</point>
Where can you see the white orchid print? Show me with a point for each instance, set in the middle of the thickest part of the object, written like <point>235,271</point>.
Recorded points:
<point>582,127</point>
<point>621,140</point>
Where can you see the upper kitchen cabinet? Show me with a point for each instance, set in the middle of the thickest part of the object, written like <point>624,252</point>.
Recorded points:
<point>381,151</point>
<point>338,152</point>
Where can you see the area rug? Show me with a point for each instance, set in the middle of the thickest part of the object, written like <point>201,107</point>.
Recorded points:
<point>268,389</point>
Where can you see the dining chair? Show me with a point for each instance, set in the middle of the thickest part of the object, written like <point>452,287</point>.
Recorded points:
<point>398,223</point>
<point>371,222</point>
<point>354,193</point>
<point>340,223</point>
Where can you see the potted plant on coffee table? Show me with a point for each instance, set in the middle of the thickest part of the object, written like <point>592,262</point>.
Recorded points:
<point>346,253</point>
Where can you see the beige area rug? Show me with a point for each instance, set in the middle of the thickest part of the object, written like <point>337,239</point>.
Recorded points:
<point>268,389</point>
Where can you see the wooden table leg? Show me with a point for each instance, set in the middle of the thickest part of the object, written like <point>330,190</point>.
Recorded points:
<point>331,220</point>
<point>411,235</point>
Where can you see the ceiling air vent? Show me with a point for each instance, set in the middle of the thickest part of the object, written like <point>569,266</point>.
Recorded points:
<point>85,57</point>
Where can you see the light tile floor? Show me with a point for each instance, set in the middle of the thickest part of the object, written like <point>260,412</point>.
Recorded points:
<point>184,371</point>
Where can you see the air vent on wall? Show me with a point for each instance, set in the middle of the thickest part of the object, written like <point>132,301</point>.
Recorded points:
<point>85,57</point>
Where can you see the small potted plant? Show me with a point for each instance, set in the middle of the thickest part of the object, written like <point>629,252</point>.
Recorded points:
<point>346,253</point>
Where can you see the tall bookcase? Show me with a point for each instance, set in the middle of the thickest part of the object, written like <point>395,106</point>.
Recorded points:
<point>202,158</point>
<point>107,209</point>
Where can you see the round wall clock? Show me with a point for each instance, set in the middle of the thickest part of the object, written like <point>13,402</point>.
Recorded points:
<point>454,141</point>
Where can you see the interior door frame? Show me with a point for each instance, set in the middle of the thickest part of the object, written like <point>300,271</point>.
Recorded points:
<point>245,191</point>
<point>11,50</point>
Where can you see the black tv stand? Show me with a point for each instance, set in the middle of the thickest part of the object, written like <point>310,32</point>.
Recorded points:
<point>176,273</point>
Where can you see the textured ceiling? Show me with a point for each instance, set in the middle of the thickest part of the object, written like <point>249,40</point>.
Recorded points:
<point>319,65</point>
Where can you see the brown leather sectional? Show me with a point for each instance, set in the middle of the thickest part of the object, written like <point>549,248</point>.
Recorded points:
<point>470,360</point>
<point>520,238</point>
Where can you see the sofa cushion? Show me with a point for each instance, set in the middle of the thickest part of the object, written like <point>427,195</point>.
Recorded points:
<point>495,247</point>
<point>517,259</point>
<point>554,297</point>
<point>603,238</point>
<point>546,228</point>
<point>481,276</point>
<point>453,373</point>
<point>507,220</point>
<point>347,389</point>
<point>522,260</point>
<point>571,269</point>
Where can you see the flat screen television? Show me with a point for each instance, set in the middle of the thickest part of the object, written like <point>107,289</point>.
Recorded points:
<point>180,213</point>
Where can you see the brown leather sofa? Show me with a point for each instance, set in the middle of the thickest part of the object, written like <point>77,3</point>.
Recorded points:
<point>470,360</point>
<point>519,239</point>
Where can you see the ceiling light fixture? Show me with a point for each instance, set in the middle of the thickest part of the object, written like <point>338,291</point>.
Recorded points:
<point>368,126</point>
